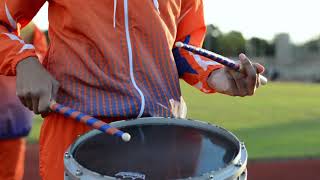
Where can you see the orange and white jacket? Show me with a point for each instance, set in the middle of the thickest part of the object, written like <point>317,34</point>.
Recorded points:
<point>113,58</point>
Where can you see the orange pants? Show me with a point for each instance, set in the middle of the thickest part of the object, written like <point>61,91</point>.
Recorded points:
<point>57,133</point>
<point>12,154</point>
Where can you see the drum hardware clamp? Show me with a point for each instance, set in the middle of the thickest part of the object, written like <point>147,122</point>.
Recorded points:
<point>78,172</point>
<point>239,164</point>
<point>67,155</point>
<point>242,145</point>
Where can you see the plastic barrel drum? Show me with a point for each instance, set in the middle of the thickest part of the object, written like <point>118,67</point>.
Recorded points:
<point>160,149</point>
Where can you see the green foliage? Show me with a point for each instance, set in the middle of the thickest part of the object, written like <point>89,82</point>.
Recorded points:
<point>313,45</point>
<point>232,44</point>
<point>211,39</point>
<point>47,35</point>
<point>261,47</point>
<point>35,131</point>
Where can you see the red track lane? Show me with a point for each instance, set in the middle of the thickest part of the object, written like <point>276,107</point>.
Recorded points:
<point>298,169</point>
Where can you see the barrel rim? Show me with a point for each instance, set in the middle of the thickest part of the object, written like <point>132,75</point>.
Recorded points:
<point>232,170</point>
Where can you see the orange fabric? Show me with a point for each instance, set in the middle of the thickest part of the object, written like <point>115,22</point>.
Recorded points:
<point>9,49</point>
<point>87,53</point>
<point>12,155</point>
<point>57,133</point>
<point>192,24</point>
<point>22,13</point>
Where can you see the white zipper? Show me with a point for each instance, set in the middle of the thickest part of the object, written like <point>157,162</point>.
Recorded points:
<point>126,19</point>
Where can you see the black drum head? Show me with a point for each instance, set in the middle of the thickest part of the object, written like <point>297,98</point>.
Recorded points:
<point>156,152</point>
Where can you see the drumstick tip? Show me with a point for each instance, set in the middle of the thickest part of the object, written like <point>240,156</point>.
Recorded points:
<point>263,80</point>
<point>179,44</point>
<point>126,137</point>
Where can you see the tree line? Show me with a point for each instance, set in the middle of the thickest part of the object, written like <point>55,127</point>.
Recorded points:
<point>233,43</point>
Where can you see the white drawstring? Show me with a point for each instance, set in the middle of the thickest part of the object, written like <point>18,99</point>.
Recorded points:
<point>114,13</point>
<point>156,5</point>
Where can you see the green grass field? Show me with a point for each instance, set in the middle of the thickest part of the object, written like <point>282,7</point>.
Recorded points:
<point>281,121</point>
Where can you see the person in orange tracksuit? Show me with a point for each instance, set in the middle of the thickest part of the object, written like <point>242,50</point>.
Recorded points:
<point>15,119</point>
<point>112,60</point>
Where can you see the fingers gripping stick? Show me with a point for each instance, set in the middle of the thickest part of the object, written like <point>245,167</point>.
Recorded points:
<point>216,57</point>
<point>90,121</point>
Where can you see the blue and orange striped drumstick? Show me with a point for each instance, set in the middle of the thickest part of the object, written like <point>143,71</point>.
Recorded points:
<point>90,121</point>
<point>216,57</point>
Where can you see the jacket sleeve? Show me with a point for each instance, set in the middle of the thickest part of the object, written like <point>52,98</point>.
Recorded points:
<point>194,69</point>
<point>14,15</point>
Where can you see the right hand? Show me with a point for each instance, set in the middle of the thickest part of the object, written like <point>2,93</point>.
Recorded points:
<point>35,86</point>
<point>233,83</point>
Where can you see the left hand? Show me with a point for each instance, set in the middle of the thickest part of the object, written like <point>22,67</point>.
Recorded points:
<point>233,83</point>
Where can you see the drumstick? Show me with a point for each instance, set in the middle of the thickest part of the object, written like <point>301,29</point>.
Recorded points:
<point>216,57</point>
<point>90,121</point>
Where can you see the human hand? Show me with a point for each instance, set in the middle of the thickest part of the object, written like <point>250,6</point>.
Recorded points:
<point>233,83</point>
<point>35,86</point>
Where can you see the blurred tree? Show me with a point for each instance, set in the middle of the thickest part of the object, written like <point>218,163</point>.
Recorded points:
<point>211,39</point>
<point>27,33</point>
<point>47,35</point>
<point>270,50</point>
<point>261,47</point>
<point>231,44</point>
<point>313,45</point>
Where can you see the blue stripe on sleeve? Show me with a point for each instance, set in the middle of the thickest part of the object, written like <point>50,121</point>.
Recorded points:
<point>181,62</point>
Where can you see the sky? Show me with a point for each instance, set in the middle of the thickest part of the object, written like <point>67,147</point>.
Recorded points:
<point>254,18</point>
